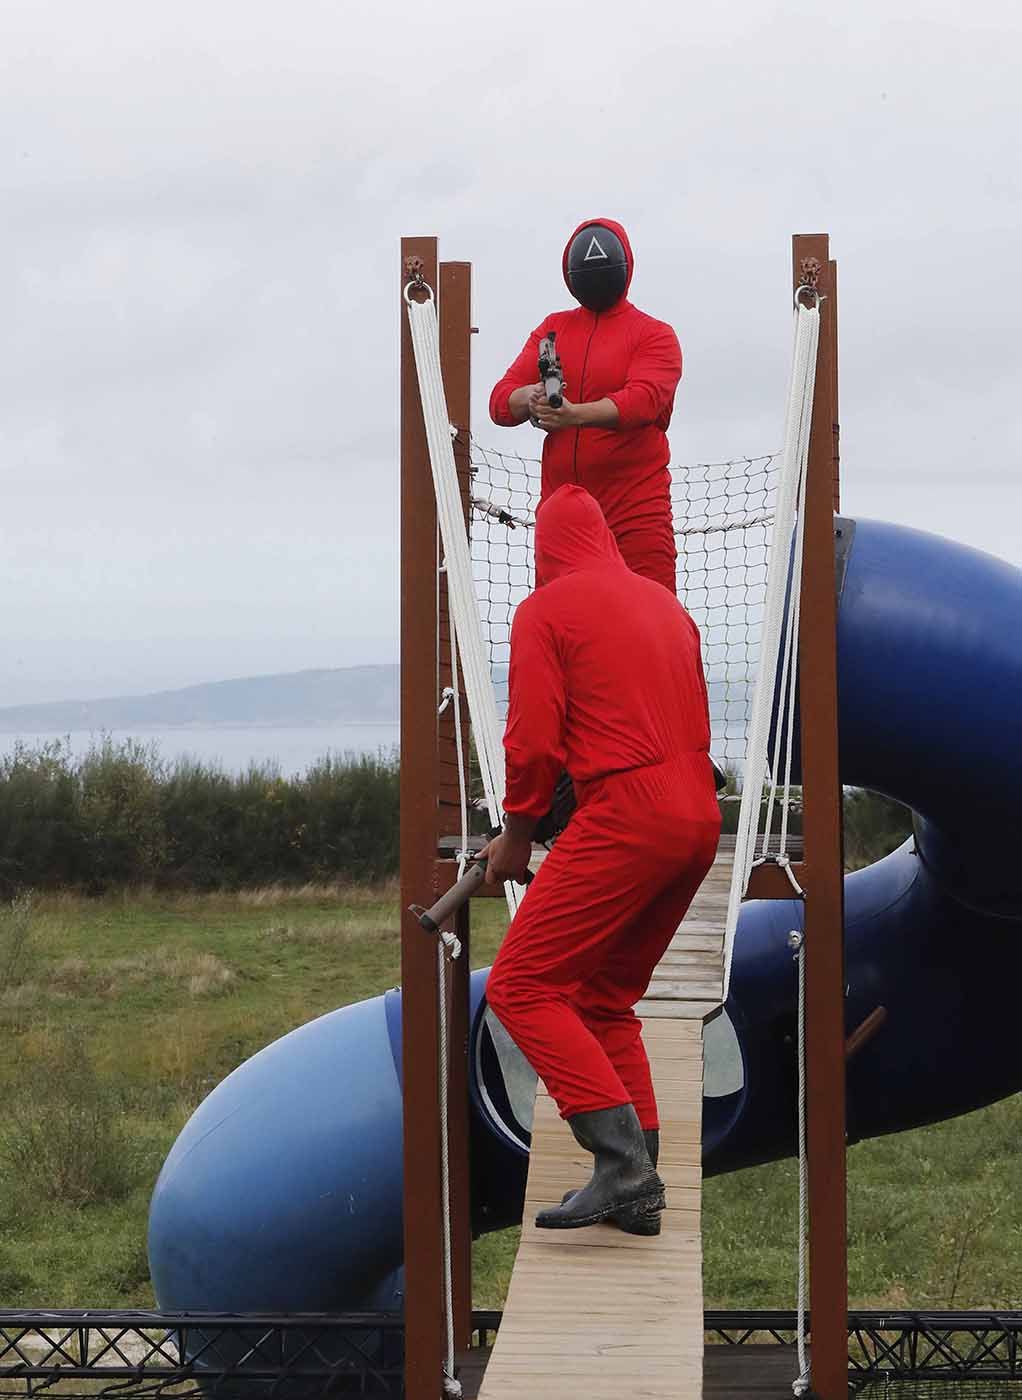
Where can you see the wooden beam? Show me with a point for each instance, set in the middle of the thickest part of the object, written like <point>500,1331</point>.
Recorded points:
<point>770,881</point>
<point>822,837</point>
<point>424,1305</point>
<point>835,396</point>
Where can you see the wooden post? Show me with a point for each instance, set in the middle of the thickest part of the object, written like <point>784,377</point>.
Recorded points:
<point>455,359</point>
<point>822,825</point>
<point>424,1302</point>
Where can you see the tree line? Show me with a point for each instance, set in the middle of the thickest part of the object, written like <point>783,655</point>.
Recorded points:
<point>121,816</point>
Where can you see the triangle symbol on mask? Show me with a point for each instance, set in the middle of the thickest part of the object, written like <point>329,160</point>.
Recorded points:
<point>594,250</point>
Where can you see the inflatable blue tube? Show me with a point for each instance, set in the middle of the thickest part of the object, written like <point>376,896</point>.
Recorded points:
<point>283,1191</point>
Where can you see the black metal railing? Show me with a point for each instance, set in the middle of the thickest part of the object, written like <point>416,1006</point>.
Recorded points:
<point>899,1346</point>
<point>91,1352</point>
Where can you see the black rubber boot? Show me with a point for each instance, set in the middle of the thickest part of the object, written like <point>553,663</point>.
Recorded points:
<point>633,1219</point>
<point>652,1139</point>
<point>624,1178</point>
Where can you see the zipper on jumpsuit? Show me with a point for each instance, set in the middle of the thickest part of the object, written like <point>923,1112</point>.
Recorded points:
<point>581,386</point>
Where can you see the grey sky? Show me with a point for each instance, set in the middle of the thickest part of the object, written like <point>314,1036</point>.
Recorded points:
<point>198,255</point>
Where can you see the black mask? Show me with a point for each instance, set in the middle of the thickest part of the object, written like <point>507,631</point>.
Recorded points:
<point>597,268</point>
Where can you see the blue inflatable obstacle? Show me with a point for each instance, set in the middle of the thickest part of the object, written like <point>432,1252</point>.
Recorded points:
<point>283,1192</point>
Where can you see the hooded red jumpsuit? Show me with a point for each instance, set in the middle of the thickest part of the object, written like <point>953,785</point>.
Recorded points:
<point>606,680</point>
<point>624,355</point>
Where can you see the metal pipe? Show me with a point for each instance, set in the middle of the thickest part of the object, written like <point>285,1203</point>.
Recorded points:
<point>432,918</point>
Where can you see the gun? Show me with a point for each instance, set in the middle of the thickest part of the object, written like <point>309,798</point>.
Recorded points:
<point>550,370</point>
<point>551,374</point>
<point>449,903</point>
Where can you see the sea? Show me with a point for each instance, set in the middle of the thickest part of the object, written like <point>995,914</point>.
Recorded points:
<point>291,751</point>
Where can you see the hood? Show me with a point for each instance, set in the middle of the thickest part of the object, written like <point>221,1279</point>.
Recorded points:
<point>572,534</point>
<point>614,227</point>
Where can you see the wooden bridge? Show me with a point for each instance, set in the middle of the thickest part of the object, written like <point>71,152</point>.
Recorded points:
<point>595,1312</point>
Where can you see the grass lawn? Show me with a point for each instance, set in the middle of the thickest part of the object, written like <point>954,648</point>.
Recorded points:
<point>118,1015</point>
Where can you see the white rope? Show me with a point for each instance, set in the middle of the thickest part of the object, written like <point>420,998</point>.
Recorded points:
<point>449,943</point>
<point>796,940</point>
<point>785,725</point>
<point>452,1386</point>
<point>784,579</point>
<point>482,704</point>
<point>450,695</point>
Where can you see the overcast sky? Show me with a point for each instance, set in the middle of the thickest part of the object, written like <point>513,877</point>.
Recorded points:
<point>202,204</point>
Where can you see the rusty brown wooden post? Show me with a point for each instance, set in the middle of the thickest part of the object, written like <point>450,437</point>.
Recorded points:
<point>424,1291</point>
<point>455,358</point>
<point>835,395</point>
<point>824,888</point>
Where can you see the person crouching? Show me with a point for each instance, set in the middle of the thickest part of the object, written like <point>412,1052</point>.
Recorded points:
<point>606,680</point>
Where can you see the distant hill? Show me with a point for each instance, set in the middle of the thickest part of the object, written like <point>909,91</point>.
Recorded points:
<point>352,695</point>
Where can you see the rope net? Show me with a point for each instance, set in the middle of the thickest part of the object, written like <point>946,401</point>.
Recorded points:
<point>722,517</point>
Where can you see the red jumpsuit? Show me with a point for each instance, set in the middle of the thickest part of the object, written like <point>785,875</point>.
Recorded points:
<point>624,355</point>
<point>606,680</point>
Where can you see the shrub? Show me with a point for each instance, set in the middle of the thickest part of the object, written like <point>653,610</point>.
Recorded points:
<point>351,818</point>
<point>199,804</point>
<point>121,818</point>
<point>40,820</point>
<point>65,1136</point>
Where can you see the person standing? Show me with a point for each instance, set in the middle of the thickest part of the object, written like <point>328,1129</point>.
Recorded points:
<point>621,368</point>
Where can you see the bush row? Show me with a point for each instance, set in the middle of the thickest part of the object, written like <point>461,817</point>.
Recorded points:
<point>122,816</point>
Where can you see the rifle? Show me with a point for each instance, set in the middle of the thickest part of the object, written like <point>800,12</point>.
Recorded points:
<point>551,373</point>
<point>550,370</point>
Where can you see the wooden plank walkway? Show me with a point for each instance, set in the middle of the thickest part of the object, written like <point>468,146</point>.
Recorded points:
<point>596,1312</point>
<point>688,982</point>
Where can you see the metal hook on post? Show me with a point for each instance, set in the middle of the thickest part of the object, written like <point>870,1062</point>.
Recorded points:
<point>810,292</point>
<point>414,271</point>
<point>809,273</point>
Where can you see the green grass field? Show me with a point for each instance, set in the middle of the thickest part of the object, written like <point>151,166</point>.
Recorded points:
<point>119,1015</point>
